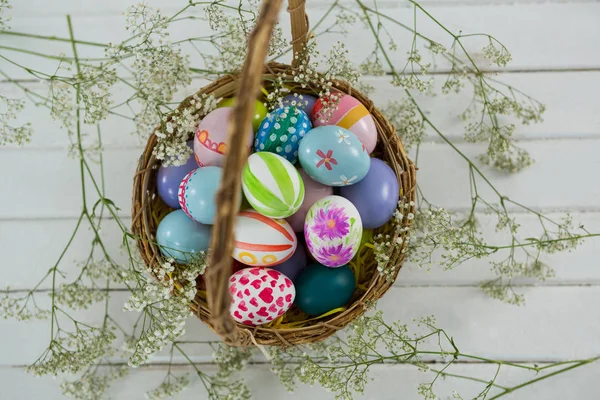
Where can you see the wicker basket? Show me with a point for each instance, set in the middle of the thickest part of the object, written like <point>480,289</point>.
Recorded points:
<point>212,305</point>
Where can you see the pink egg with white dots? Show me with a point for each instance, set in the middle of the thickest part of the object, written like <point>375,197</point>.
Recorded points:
<point>259,295</point>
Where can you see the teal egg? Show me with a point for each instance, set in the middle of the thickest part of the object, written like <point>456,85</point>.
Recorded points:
<point>281,132</point>
<point>334,156</point>
<point>180,237</point>
<point>320,289</point>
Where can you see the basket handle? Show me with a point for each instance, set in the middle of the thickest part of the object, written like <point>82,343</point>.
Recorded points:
<point>228,196</point>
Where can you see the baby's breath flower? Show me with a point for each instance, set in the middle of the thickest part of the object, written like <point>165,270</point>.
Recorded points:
<point>22,308</point>
<point>407,120</point>
<point>174,132</point>
<point>170,387</point>
<point>93,383</point>
<point>9,108</point>
<point>165,299</point>
<point>4,17</point>
<point>497,53</point>
<point>72,352</point>
<point>77,295</point>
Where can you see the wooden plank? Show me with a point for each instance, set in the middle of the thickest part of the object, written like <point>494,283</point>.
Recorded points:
<point>388,382</point>
<point>116,7</point>
<point>50,236</point>
<point>478,324</point>
<point>531,49</point>
<point>569,98</point>
<point>555,181</point>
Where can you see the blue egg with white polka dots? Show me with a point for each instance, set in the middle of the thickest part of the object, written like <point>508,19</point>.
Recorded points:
<point>281,132</point>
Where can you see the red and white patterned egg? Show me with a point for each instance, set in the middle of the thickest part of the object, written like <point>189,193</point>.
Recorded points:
<point>261,241</point>
<point>259,295</point>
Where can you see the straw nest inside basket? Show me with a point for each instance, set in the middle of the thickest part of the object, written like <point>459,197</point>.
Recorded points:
<point>294,327</point>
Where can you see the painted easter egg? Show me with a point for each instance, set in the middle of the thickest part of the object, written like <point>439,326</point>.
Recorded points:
<point>272,185</point>
<point>293,265</point>
<point>260,111</point>
<point>197,193</point>
<point>333,230</point>
<point>305,102</point>
<point>169,178</point>
<point>320,289</point>
<point>262,241</point>
<point>333,156</point>
<point>375,196</point>
<point>259,295</point>
<point>282,131</point>
<point>313,191</point>
<point>210,141</point>
<point>348,113</point>
<point>180,238</point>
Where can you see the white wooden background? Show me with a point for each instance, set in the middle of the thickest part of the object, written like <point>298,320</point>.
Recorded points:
<point>556,50</point>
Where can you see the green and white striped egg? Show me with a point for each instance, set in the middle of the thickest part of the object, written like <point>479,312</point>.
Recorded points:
<point>272,185</point>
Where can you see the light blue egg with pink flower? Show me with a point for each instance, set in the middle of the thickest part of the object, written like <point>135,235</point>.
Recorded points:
<point>333,230</point>
<point>334,156</point>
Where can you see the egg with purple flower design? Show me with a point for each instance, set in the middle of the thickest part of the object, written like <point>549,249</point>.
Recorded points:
<point>333,230</point>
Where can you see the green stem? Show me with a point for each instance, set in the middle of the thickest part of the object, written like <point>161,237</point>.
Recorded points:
<point>541,378</point>
<point>53,38</point>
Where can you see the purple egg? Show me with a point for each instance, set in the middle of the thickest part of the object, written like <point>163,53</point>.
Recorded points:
<point>293,265</point>
<point>375,196</point>
<point>169,178</point>
<point>305,102</point>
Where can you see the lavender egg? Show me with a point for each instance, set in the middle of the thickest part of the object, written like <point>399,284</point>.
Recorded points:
<point>169,178</point>
<point>375,196</point>
<point>293,265</point>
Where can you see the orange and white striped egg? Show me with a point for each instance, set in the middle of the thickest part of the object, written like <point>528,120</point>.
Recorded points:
<point>261,241</point>
<point>348,113</point>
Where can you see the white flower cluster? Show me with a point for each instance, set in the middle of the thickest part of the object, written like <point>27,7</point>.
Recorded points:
<point>385,244</point>
<point>407,120</point>
<point>307,75</point>
<point>165,302</point>
<point>93,383</point>
<point>4,18</point>
<point>62,107</point>
<point>159,68</point>
<point>497,53</point>
<point>230,359</point>
<point>9,108</point>
<point>22,308</point>
<point>176,129</point>
<point>76,295</point>
<point>170,387</point>
<point>95,85</point>
<point>74,351</point>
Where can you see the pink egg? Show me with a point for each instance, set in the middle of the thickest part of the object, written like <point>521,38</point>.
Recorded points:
<point>350,114</point>
<point>210,141</point>
<point>259,295</point>
<point>313,191</point>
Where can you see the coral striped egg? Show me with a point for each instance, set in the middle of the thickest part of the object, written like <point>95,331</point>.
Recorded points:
<point>272,185</point>
<point>261,241</point>
<point>348,113</point>
<point>259,295</point>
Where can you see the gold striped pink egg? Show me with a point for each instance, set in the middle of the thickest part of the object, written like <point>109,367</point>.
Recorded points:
<point>347,112</point>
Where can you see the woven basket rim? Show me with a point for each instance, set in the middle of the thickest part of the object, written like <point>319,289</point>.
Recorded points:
<point>144,227</point>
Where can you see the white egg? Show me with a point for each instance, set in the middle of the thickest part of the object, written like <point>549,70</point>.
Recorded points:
<point>333,230</point>
<point>261,241</point>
